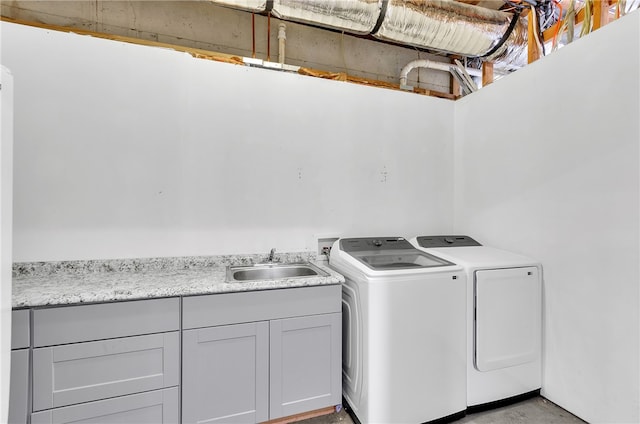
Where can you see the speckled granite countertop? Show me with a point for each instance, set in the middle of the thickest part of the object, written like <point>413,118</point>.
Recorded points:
<point>73,282</point>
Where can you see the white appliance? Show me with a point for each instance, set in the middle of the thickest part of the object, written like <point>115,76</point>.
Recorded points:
<point>403,331</point>
<point>504,325</point>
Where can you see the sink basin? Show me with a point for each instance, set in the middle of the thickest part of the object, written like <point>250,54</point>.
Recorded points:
<point>273,272</point>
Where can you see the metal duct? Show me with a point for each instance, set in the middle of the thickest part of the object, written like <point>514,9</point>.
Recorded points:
<point>354,16</point>
<point>513,52</point>
<point>444,25</point>
<point>447,26</point>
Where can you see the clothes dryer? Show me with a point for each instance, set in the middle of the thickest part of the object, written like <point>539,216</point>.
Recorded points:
<point>504,318</point>
<point>404,325</point>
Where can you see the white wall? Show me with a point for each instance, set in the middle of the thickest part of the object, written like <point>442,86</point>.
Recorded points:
<point>6,190</point>
<point>547,164</point>
<point>129,151</point>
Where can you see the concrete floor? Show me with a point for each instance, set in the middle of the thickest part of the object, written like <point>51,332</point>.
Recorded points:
<point>537,410</point>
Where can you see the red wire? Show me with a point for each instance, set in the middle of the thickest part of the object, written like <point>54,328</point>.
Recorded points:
<point>555,36</point>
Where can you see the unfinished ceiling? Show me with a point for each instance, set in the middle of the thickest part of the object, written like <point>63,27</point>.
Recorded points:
<point>213,28</point>
<point>444,26</point>
<point>371,40</point>
<point>498,31</point>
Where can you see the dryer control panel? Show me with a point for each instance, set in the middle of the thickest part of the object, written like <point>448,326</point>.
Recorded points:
<point>446,241</point>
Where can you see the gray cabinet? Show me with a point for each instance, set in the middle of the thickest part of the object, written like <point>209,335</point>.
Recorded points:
<point>257,356</point>
<point>244,357</point>
<point>19,384</point>
<point>19,387</point>
<point>156,407</point>
<point>107,363</point>
<point>83,372</point>
<point>20,329</point>
<point>305,364</point>
<point>226,374</point>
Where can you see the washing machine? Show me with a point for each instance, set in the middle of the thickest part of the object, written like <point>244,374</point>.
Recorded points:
<point>504,318</point>
<point>404,323</point>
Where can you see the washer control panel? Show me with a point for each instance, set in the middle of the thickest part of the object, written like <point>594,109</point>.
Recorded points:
<point>446,241</point>
<point>374,243</point>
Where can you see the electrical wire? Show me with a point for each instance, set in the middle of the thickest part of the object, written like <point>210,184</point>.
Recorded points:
<point>513,7</point>
<point>559,24</point>
<point>539,29</point>
<point>570,21</point>
<point>586,22</point>
<point>546,14</point>
<point>566,25</point>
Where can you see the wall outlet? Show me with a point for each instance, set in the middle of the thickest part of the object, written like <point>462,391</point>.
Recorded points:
<point>324,247</point>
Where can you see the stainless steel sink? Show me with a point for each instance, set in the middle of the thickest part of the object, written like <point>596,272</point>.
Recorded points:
<point>274,271</point>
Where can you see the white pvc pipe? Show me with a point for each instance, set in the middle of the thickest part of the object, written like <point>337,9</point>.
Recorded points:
<point>282,37</point>
<point>430,64</point>
<point>421,63</point>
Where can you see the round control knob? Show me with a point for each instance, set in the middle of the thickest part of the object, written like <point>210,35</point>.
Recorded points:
<point>377,243</point>
<point>449,240</point>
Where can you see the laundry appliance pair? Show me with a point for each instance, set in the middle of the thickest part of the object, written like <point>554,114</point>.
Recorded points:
<point>435,325</point>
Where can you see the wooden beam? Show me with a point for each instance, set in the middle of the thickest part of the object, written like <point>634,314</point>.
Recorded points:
<point>487,73</point>
<point>434,93</point>
<point>600,13</point>
<point>532,38</point>
<point>455,86</point>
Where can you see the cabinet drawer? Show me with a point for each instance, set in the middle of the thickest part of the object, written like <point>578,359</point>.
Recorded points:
<point>160,406</point>
<point>83,372</point>
<point>71,324</point>
<point>231,308</point>
<point>20,329</point>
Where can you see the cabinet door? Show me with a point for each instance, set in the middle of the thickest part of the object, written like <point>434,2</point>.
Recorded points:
<point>83,372</point>
<point>226,374</point>
<point>508,318</point>
<point>156,407</point>
<point>19,387</point>
<point>305,364</point>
